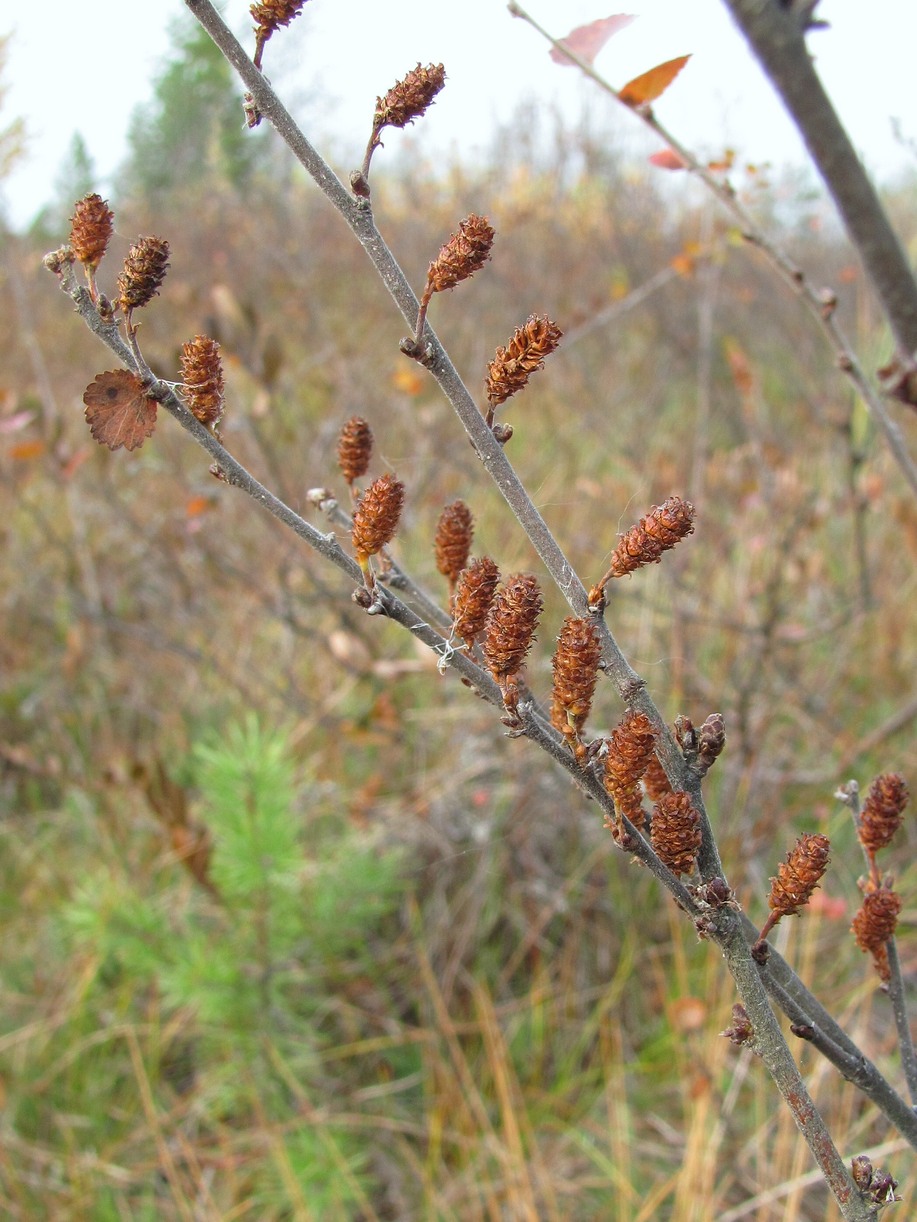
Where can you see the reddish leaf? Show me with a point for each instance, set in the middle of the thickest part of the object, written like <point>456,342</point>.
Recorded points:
<point>668,159</point>
<point>586,41</point>
<point>118,411</point>
<point>650,85</point>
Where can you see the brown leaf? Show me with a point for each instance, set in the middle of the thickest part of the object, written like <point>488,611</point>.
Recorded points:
<point>650,85</point>
<point>586,41</point>
<point>118,411</point>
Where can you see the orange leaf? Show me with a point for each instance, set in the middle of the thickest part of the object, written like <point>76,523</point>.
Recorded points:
<point>650,85</point>
<point>668,159</point>
<point>27,449</point>
<point>196,505</point>
<point>408,381</point>
<point>118,411</point>
<point>586,41</point>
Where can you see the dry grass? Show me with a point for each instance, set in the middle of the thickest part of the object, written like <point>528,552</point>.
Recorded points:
<point>540,1037</point>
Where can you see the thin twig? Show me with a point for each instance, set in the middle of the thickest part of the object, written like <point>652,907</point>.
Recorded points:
<point>820,306</point>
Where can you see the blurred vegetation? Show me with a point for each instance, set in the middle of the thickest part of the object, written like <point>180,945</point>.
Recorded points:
<point>415,979</point>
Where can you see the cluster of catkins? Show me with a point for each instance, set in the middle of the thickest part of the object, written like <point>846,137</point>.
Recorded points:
<point>500,618</point>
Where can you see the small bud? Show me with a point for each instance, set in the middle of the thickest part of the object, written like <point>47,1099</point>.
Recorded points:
<point>675,832</point>
<point>90,230</point>
<point>511,622</point>
<point>873,1183</point>
<point>576,669</point>
<point>355,447</point>
<point>409,98</point>
<point>454,533</point>
<point>465,253</point>
<point>375,518</point>
<point>144,271</point>
<point>875,923</point>
<point>741,1032</point>
<point>882,811</point>
<point>711,740</point>
<point>55,260</point>
<point>202,379</point>
<point>474,594</point>
<point>629,751</point>
<point>512,366</point>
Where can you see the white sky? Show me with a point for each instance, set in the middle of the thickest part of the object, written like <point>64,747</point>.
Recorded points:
<point>83,67</point>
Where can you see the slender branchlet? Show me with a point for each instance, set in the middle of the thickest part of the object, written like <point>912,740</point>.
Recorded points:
<point>355,447</point>
<point>454,533</point>
<point>144,271</point>
<point>91,227</point>
<point>576,669</point>
<point>796,880</point>
<point>474,594</point>
<point>202,379</point>
<point>465,253</point>
<point>407,100</point>
<point>630,749</point>
<point>663,527</point>
<point>509,633</point>
<point>268,16</point>
<point>874,924</point>
<point>675,832</point>
<point>513,365</point>
<point>375,521</point>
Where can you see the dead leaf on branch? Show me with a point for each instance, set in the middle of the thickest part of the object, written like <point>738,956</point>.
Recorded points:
<point>118,410</point>
<point>668,159</point>
<point>586,41</point>
<point>649,86</point>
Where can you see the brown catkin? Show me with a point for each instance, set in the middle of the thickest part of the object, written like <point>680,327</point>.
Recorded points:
<point>452,544</point>
<point>655,781</point>
<point>90,230</point>
<point>202,379</point>
<point>375,518</point>
<point>473,597</point>
<point>511,622</point>
<point>143,273</point>
<point>799,875</point>
<point>268,15</point>
<point>465,253</point>
<point>630,749</point>
<point>409,98</point>
<point>576,669</point>
<point>882,811</point>
<point>875,923</point>
<point>675,832</point>
<point>355,447</point>
<point>653,535</point>
<point>512,366</point>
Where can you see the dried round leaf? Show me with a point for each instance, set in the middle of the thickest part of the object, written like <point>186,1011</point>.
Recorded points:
<point>118,410</point>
